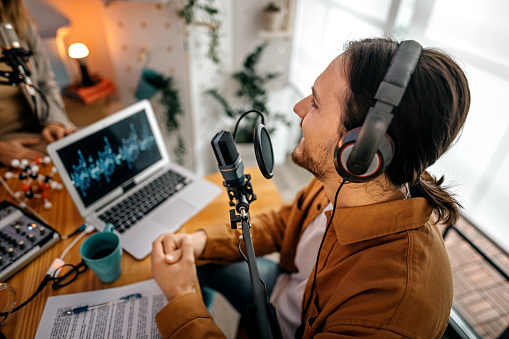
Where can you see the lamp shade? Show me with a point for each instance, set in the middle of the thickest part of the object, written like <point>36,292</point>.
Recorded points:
<point>78,51</point>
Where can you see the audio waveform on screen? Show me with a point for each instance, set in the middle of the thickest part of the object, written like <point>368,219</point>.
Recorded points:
<point>102,166</point>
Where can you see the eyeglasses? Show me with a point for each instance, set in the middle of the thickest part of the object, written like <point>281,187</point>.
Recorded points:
<point>67,274</point>
<point>7,301</point>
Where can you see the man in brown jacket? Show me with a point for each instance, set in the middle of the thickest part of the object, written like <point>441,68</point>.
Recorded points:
<point>381,268</point>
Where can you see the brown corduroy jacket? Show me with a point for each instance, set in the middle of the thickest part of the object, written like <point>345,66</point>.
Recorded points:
<point>383,271</point>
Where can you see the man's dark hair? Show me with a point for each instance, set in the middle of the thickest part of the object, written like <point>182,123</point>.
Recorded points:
<point>425,124</point>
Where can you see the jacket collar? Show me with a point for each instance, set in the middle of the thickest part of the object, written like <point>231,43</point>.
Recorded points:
<point>372,221</point>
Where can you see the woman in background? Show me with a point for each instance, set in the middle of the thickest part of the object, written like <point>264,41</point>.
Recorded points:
<point>27,125</point>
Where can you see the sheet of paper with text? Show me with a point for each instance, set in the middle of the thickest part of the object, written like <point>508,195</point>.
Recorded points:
<point>121,312</point>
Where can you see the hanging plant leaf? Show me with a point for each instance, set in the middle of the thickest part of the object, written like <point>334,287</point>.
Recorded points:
<point>171,101</point>
<point>189,13</point>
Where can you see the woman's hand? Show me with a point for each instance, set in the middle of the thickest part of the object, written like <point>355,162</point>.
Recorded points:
<point>53,132</point>
<point>16,149</point>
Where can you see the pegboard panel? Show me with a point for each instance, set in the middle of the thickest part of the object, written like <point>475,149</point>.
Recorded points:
<point>143,35</point>
<point>148,35</point>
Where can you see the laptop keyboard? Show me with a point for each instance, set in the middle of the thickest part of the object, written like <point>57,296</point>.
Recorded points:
<point>128,211</point>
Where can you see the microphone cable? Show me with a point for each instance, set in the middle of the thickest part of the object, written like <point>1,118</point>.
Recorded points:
<point>45,115</point>
<point>259,277</point>
<point>54,271</point>
<point>243,115</point>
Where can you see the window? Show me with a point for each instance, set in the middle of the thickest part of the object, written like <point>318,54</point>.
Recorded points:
<point>476,34</point>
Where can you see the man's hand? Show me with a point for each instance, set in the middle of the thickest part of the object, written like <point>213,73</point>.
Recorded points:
<point>53,132</point>
<point>15,149</point>
<point>173,264</point>
<point>199,239</point>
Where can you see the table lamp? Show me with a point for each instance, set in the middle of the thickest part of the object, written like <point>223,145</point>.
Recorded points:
<point>79,52</point>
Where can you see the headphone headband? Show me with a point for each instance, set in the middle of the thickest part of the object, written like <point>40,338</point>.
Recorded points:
<point>398,74</point>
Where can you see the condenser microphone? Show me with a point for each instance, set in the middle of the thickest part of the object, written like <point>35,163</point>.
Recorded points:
<point>228,159</point>
<point>15,56</point>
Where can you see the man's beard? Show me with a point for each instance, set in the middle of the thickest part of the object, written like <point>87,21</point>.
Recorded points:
<point>316,164</point>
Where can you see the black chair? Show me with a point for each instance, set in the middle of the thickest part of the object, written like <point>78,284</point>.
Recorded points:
<point>458,326</point>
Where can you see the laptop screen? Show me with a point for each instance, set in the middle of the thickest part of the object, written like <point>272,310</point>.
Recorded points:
<point>101,162</point>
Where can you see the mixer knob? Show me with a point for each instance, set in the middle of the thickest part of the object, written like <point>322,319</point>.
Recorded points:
<point>21,244</point>
<point>42,229</point>
<point>31,237</point>
<point>10,252</point>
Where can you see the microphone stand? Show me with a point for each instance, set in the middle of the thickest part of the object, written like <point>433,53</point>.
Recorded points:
<point>240,197</point>
<point>19,74</point>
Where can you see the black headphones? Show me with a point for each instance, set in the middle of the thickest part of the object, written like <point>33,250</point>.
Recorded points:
<point>365,152</point>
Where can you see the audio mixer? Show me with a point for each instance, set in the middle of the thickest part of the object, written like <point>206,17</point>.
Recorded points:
<point>22,239</point>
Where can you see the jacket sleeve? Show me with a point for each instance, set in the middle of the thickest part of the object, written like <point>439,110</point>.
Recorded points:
<point>222,242</point>
<point>187,317</point>
<point>44,79</point>
<point>268,232</point>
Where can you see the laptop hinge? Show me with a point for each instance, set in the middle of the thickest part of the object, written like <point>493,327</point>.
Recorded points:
<point>128,186</point>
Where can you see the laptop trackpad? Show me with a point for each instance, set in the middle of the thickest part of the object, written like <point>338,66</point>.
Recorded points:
<point>173,214</point>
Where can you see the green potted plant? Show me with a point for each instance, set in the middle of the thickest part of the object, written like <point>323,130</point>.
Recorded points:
<point>272,17</point>
<point>251,94</point>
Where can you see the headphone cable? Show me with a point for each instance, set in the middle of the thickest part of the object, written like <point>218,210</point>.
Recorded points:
<point>300,329</point>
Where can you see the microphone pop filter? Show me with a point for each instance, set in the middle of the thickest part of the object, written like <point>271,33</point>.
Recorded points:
<point>263,151</point>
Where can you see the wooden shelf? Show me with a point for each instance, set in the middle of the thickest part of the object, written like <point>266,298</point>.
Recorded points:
<point>275,34</point>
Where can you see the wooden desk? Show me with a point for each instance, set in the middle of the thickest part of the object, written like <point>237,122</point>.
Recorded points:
<point>64,217</point>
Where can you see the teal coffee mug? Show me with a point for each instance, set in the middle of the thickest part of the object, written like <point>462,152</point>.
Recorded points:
<point>102,252</point>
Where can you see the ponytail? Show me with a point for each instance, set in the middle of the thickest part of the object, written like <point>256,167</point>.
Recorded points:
<point>446,207</point>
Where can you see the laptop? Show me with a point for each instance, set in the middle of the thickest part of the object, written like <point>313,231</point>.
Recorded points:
<point>117,170</point>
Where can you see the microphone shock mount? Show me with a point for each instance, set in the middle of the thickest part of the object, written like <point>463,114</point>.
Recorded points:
<point>240,197</point>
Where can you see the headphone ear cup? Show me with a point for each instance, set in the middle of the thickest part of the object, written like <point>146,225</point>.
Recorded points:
<point>381,160</point>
